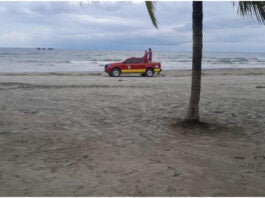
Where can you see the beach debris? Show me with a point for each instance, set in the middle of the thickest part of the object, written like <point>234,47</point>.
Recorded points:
<point>176,174</point>
<point>218,111</point>
<point>260,87</point>
<point>239,157</point>
<point>130,172</point>
<point>259,157</point>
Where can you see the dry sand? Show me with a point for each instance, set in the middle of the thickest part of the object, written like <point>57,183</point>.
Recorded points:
<point>92,135</point>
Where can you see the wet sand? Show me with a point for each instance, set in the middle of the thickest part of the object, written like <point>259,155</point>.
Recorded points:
<point>88,134</point>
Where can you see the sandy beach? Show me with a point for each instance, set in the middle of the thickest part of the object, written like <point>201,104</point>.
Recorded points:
<point>88,134</point>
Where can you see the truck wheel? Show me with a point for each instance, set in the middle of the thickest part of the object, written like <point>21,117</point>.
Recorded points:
<point>115,72</point>
<point>149,72</point>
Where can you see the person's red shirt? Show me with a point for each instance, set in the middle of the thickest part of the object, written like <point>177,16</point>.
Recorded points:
<point>145,57</point>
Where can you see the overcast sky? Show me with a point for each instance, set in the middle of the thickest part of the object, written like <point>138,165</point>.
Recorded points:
<point>125,26</point>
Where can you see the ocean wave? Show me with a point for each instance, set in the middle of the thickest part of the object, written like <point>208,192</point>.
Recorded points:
<point>78,62</point>
<point>34,60</point>
<point>231,61</point>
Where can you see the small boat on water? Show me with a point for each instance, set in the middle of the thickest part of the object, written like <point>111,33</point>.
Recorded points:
<point>39,48</point>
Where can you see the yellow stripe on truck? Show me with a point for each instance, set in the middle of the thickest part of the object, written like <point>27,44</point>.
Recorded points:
<point>137,70</point>
<point>133,70</point>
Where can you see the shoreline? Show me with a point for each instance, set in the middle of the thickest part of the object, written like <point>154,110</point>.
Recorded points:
<point>213,71</point>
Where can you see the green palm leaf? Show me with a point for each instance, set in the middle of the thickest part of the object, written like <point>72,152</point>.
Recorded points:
<point>252,9</point>
<point>150,5</point>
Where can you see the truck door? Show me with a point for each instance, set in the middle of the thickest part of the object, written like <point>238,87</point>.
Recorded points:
<point>127,65</point>
<point>138,65</point>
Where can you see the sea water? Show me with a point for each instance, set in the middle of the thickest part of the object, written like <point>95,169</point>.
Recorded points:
<point>59,60</point>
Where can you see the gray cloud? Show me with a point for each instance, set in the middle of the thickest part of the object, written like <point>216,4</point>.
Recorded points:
<point>124,25</point>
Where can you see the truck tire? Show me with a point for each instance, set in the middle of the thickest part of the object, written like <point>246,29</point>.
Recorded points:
<point>115,72</point>
<point>149,73</point>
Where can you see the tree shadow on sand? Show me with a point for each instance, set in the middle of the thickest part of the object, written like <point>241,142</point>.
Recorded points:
<point>184,126</point>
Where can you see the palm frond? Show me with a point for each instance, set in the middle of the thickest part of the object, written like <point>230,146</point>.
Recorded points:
<point>252,9</point>
<point>150,5</point>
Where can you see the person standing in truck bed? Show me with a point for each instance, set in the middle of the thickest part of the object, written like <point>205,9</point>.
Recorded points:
<point>150,54</point>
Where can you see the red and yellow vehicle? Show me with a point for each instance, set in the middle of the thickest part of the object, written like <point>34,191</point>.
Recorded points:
<point>133,65</point>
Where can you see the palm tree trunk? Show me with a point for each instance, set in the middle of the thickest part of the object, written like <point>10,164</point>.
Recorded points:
<point>197,18</point>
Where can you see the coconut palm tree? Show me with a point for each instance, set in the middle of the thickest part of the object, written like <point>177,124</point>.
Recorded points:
<point>245,8</point>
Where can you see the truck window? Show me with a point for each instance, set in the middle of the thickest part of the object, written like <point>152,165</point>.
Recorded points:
<point>128,61</point>
<point>138,60</point>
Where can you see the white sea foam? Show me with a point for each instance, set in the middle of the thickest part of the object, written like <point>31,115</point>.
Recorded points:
<point>33,60</point>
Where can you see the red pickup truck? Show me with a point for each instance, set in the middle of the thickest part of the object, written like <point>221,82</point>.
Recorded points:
<point>133,65</point>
